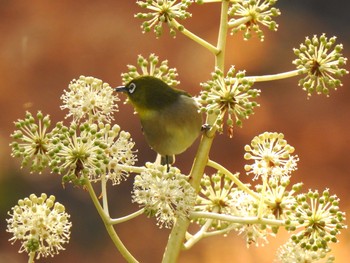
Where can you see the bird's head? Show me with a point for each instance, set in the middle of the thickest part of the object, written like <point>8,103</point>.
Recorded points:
<point>150,93</point>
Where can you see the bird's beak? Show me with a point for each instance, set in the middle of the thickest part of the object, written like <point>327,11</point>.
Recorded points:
<point>121,89</point>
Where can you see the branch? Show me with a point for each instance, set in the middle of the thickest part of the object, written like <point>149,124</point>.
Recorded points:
<point>111,231</point>
<point>236,219</point>
<point>240,21</point>
<point>126,218</point>
<point>271,77</point>
<point>234,178</point>
<point>194,37</point>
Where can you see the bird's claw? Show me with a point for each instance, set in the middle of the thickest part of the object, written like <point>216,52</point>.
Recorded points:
<point>205,127</point>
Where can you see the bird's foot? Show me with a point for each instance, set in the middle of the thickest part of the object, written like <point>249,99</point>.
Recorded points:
<point>206,127</point>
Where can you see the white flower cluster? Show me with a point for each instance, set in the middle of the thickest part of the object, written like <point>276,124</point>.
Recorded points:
<point>40,224</point>
<point>91,151</point>
<point>230,96</point>
<point>322,62</point>
<point>163,12</point>
<point>271,154</point>
<point>165,195</point>
<point>90,99</point>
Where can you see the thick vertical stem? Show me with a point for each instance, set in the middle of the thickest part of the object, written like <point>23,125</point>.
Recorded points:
<point>178,232</point>
<point>221,46</point>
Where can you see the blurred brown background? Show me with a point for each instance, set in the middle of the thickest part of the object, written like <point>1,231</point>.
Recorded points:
<point>45,44</point>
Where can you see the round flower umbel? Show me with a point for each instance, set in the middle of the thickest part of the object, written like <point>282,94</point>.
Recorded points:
<point>90,99</point>
<point>271,154</point>
<point>119,150</point>
<point>40,224</point>
<point>322,63</point>
<point>150,67</point>
<point>292,253</point>
<point>163,11</point>
<point>217,195</point>
<point>31,141</point>
<point>319,219</point>
<point>79,152</point>
<point>165,195</point>
<point>231,95</point>
<point>254,12</point>
<point>277,196</point>
<point>247,206</point>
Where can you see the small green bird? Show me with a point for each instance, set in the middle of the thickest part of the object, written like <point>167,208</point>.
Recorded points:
<point>170,118</point>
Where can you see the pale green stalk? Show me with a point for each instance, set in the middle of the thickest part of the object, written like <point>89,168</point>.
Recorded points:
<point>262,194</point>
<point>109,227</point>
<point>200,234</point>
<point>220,57</point>
<point>194,37</point>
<point>271,77</point>
<point>191,242</point>
<point>132,169</point>
<point>248,220</point>
<point>31,257</point>
<point>126,218</point>
<point>177,235</point>
<point>179,230</point>
<point>239,21</point>
<point>227,218</point>
<point>234,179</point>
<point>104,194</point>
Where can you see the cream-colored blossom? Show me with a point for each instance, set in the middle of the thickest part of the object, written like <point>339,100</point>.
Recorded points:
<point>317,219</point>
<point>165,195</point>
<point>229,97</point>
<point>254,13</point>
<point>271,154</point>
<point>32,141</point>
<point>162,12</point>
<point>90,99</point>
<point>322,63</point>
<point>292,253</point>
<point>40,224</point>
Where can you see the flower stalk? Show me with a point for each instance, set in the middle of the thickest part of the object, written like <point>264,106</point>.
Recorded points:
<point>178,232</point>
<point>109,226</point>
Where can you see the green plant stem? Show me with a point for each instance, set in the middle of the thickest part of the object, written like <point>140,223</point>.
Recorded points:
<point>221,45</point>
<point>202,233</point>
<point>238,220</point>
<point>234,178</point>
<point>109,227</point>
<point>239,21</point>
<point>126,218</point>
<point>191,242</point>
<point>199,235</point>
<point>132,169</point>
<point>177,235</point>
<point>31,257</point>
<point>194,37</point>
<point>262,194</point>
<point>179,230</point>
<point>104,194</point>
<point>271,77</point>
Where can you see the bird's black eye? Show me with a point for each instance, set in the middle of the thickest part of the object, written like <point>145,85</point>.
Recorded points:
<point>131,88</point>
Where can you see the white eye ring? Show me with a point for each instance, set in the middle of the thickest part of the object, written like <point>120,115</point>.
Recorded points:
<point>132,88</point>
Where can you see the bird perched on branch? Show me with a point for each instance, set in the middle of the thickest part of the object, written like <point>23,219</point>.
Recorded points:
<point>170,117</point>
